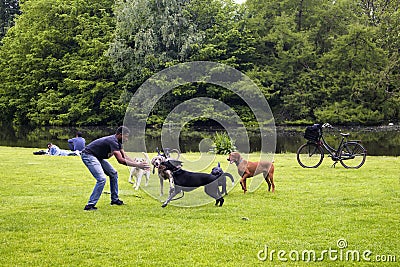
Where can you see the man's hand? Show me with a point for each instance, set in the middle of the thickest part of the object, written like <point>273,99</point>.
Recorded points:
<point>142,165</point>
<point>122,158</point>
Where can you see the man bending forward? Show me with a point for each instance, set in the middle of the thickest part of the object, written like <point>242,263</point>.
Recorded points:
<point>95,156</point>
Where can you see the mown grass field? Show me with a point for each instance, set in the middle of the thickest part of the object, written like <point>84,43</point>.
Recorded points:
<point>42,222</point>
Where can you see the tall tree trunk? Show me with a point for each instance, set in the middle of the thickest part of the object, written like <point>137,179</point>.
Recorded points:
<point>300,15</point>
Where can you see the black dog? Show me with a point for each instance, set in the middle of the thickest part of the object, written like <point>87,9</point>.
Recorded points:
<point>217,171</point>
<point>186,181</point>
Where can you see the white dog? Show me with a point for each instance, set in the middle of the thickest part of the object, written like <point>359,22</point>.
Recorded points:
<point>138,173</point>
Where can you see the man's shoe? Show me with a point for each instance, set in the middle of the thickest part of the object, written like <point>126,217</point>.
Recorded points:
<point>90,207</point>
<point>117,202</point>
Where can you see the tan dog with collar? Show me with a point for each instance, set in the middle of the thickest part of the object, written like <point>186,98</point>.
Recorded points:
<point>248,169</point>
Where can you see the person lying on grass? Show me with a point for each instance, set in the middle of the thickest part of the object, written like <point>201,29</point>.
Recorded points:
<point>54,150</point>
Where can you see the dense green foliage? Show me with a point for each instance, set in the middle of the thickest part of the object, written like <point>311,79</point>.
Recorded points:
<point>79,62</point>
<point>223,144</point>
<point>53,67</point>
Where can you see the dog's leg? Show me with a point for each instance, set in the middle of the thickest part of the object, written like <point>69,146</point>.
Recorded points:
<point>172,193</point>
<point>147,172</point>
<point>245,175</point>
<point>266,177</point>
<point>130,176</point>
<point>161,186</point>
<point>269,178</point>
<point>147,178</point>
<point>138,179</point>
<point>221,201</point>
<point>222,182</point>
<point>243,182</point>
<point>172,189</point>
<point>212,190</point>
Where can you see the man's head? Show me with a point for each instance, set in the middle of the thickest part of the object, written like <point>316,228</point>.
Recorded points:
<point>78,134</point>
<point>122,133</point>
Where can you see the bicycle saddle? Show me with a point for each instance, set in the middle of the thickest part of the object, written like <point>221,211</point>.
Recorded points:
<point>344,134</point>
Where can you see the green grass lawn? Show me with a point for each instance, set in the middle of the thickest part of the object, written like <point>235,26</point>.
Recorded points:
<point>42,221</point>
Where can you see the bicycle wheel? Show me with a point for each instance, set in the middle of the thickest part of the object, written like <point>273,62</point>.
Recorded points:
<point>352,155</point>
<point>174,154</point>
<point>310,155</point>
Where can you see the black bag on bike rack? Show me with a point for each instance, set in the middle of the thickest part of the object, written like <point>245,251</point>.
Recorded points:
<point>313,133</point>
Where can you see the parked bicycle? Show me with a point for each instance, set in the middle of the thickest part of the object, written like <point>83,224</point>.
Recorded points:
<point>171,153</point>
<point>350,153</point>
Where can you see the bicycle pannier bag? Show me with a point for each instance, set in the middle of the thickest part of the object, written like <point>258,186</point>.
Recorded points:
<point>313,133</point>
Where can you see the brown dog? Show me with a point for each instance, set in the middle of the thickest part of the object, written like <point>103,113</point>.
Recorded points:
<point>247,169</point>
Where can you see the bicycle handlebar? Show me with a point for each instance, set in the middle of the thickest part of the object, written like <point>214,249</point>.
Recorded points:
<point>326,125</point>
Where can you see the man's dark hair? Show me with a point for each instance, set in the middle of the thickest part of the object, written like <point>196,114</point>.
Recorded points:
<point>123,130</point>
<point>79,134</point>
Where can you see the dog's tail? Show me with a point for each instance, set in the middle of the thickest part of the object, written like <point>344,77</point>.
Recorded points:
<point>146,157</point>
<point>230,177</point>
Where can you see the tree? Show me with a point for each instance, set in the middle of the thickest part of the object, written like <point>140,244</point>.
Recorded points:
<point>53,67</point>
<point>77,62</point>
<point>152,35</point>
<point>359,73</point>
<point>8,10</point>
<point>286,55</point>
<point>318,56</point>
<point>149,36</point>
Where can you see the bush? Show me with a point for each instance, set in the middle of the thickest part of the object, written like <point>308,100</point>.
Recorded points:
<point>223,144</point>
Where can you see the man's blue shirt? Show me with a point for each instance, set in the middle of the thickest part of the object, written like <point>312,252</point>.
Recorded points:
<point>78,143</point>
<point>104,147</point>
